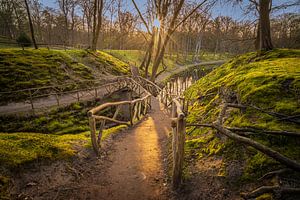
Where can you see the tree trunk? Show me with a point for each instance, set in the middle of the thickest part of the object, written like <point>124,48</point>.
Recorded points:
<point>31,25</point>
<point>257,39</point>
<point>97,22</point>
<point>265,28</point>
<point>160,54</point>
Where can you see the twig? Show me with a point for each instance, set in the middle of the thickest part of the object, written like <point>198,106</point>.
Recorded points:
<point>201,125</point>
<point>275,114</point>
<point>256,130</point>
<point>272,189</point>
<point>274,173</point>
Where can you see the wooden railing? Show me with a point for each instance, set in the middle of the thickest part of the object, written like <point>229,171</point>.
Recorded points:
<point>169,96</point>
<point>137,108</point>
<point>151,87</point>
<point>178,123</point>
<point>91,89</point>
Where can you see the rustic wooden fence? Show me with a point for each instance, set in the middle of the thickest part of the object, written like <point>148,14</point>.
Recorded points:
<point>137,109</point>
<point>33,98</point>
<point>168,95</point>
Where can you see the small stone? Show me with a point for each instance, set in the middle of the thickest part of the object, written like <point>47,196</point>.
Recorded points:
<point>31,184</point>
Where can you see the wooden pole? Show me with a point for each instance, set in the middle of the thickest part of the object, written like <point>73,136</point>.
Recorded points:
<point>57,99</point>
<point>77,96</point>
<point>177,91</point>
<point>31,101</point>
<point>131,113</point>
<point>179,151</point>
<point>96,93</point>
<point>92,123</point>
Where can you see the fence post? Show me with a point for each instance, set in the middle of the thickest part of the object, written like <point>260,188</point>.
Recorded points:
<point>77,96</point>
<point>31,101</point>
<point>57,99</point>
<point>96,93</point>
<point>92,123</point>
<point>179,151</point>
<point>131,113</point>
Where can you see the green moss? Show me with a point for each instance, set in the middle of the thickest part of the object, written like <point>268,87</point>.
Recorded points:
<point>71,119</point>
<point>266,196</point>
<point>269,80</point>
<point>117,65</point>
<point>20,148</point>
<point>257,165</point>
<point>41,68</point>
<point>107,132</point>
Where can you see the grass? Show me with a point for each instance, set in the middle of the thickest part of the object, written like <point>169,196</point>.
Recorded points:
<point>38,68</point>
<point>135,58</point>
<point>269,80</point>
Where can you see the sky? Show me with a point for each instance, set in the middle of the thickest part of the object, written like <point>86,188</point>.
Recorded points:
<point>221,8</point>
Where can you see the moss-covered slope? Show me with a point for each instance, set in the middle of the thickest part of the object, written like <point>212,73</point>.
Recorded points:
<point>270,81</point>
<point>22,69</point>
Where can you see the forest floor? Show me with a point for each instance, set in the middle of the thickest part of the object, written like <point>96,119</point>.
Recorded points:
<point>133,165</point>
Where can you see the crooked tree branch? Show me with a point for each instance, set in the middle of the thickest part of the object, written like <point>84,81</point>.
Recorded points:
<point>256,130</point>
<point>275,114</point>
<point>270,189</point>
<point>251,130</point>
<point>274,173</point>
<point>187,16</point>
<point>262,148</point>
<point>141,16</point>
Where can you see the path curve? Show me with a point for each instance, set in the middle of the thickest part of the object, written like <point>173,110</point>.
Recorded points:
<point>181,68</point>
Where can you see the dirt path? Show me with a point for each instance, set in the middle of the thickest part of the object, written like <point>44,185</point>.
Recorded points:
<point>179,68</point>
<point>137,170</point>
<point>132,166</point>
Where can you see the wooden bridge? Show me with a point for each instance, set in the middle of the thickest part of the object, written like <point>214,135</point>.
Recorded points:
<point>168,95</point>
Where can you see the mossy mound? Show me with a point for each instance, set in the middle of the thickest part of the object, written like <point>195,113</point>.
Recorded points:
<point>23,69</point>
<point>268,80</point>
<point>22,148</point>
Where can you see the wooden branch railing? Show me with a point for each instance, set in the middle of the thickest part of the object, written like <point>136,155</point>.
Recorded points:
<point>137,108</point>
<point>92,89</point>
<point>170,96</point>
<point>178,140</point>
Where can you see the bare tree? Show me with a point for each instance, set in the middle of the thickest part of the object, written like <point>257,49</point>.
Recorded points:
<point>167,14</point>
<point>87,8</point>
<point>31,25</point>
<point>97,22</point>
